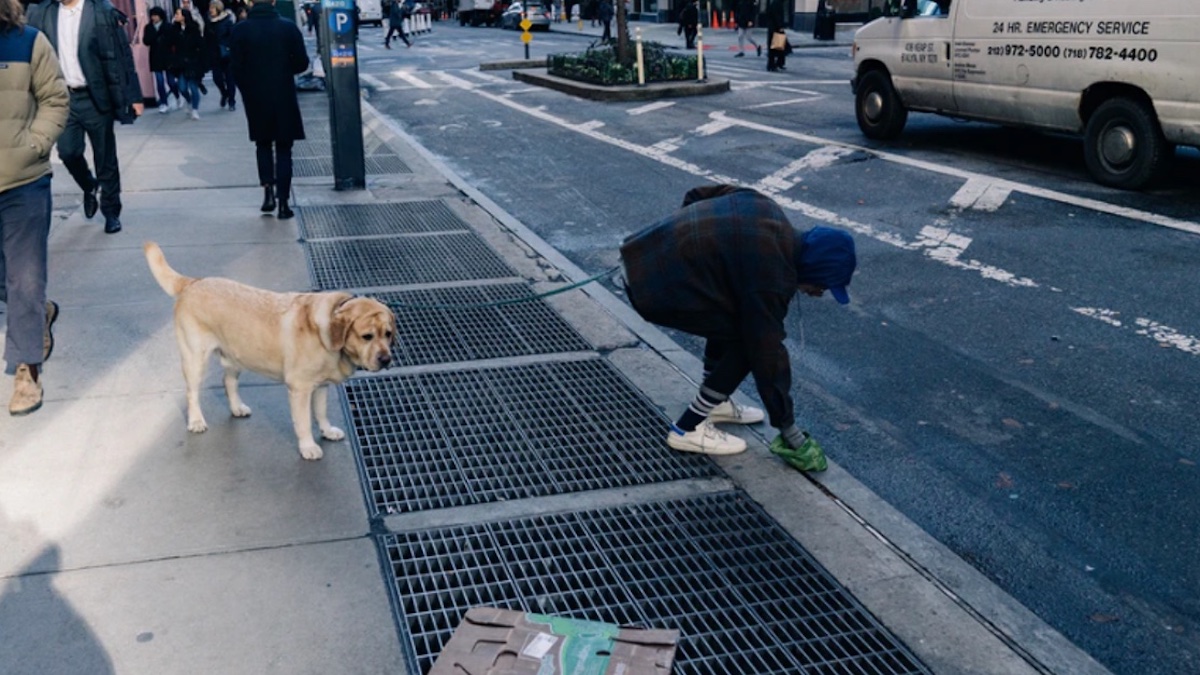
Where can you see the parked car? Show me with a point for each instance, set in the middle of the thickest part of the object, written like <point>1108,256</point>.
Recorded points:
<point>537,13</point>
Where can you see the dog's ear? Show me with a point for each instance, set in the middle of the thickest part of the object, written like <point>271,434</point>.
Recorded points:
<point>331,322</point>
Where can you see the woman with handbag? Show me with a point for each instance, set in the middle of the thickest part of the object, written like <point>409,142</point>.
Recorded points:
<point>220,27</point>
<point>777,42</point>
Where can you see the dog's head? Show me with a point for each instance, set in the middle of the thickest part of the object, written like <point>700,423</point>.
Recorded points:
<point>360,328</point>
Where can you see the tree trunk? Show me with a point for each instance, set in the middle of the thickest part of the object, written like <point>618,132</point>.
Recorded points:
<point>624,53</point>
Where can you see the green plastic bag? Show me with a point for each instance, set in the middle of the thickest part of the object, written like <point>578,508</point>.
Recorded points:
<point>808,457</point>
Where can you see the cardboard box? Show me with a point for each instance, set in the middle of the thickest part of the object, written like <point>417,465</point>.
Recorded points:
<point>492,641</point>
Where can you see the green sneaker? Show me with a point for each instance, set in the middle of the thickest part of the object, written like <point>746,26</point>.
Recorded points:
<point>808,457</point>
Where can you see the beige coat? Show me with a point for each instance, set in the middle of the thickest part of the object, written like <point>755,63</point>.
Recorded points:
<point>33,106</point>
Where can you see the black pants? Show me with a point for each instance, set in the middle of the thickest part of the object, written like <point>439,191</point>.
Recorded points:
<point>775,57</point>
<point>85,119</point>
<point>689,37</point>
<point>607,31</point>
<point>727,366</point>
<point>397,27</point>
<point>275,165</point>
<point>223,77</point>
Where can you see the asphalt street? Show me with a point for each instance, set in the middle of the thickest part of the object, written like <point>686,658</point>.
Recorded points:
<point>1018,370</point>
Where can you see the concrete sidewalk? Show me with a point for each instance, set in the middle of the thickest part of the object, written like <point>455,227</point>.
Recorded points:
<point>128,545</point>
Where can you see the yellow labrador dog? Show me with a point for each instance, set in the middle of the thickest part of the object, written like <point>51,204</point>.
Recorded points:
<point>305,340</point>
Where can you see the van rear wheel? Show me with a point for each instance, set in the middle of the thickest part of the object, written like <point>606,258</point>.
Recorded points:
<point>880,113</point>
<point>1124,146</point>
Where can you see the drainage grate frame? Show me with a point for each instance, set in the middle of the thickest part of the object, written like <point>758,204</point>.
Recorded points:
<point>427,335</point>
<point>451,438</point>
<point>746,597</point>
<point>358,220</point>
<point>397,261</point>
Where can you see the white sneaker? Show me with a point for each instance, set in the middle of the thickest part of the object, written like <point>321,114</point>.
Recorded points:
<point>162,109</point>
<point>728,411</point>
<point>178,104</point>
<point>195,115</point>
<point>705,439</point>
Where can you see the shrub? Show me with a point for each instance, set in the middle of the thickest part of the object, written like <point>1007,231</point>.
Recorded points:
<point>600,65</point>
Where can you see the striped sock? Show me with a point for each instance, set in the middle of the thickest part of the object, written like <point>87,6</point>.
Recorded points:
<point>699,409</point>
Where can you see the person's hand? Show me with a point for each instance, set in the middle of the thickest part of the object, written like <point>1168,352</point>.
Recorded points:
<point>808,457</point>
<point>138,109</point>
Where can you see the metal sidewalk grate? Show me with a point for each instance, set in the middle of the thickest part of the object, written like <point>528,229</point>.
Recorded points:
<point>446,335</point>
<point>442,439</point>
<point>357,220</point>
<point>746,597</point>
<point>395,261</point>
<point>311,167</point>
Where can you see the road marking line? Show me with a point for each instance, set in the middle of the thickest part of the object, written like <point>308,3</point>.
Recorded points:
<point>378,84</point>
<point>412,79</point>
<point>452,80</point>
<point>486,77</point>
<point>650,107</point>
<point>1164,335</point>
<point>790,101</point>
<point>817,159</point>
<point>980,195</point>
<point>710,128</point>
<point>1043,193</point>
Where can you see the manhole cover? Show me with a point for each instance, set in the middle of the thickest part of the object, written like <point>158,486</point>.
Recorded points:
<point>356,220</point>
<point>440,439</point>
<point>395,261</point>
<point>448,325</point>
<point>745,596</point>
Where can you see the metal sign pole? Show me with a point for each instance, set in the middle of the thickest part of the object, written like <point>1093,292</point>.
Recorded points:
<point>340,53</point>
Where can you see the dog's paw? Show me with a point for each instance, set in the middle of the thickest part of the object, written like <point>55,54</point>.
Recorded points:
<point>242,410</point>
<point>197,426</point>
<point>332,434</point>
<point>311,452</point>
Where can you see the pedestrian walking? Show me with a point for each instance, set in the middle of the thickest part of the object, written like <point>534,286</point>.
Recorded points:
<point>220,30</point>
<point>189,59</point>
<point>268,52</point>
<point>777,43</point>
<point>606,16</point>
<point>159,37</point>
<point>397,13</point>
<point>744,16</point>
<point>33,113</point>
<point>725,267</point>
<point>689,22</point>
<point>97,64</point>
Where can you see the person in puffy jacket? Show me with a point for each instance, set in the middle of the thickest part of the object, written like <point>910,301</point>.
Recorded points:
<point>189,60</point>
<point>33,113</point>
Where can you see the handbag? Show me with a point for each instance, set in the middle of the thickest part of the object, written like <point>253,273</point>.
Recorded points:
<point>779,41</point>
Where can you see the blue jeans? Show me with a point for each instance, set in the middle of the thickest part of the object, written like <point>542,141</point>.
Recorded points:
<point>166,83</point>
<point>24,229</point>
<point>191,91</point>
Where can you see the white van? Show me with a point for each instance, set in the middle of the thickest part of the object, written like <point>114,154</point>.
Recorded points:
<point>1125,75</point>
<point>370,12</point>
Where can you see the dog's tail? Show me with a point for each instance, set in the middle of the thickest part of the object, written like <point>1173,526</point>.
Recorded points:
<point>171,281</point>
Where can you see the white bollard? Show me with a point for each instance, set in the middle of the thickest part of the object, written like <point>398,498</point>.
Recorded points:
<point>641,66</point>
<point>699,53</point>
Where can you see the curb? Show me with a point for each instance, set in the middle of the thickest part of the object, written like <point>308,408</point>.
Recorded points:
<point>651,91</point>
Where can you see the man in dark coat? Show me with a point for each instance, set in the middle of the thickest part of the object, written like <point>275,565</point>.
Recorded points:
<point>267,53</point>
<point>689,23</point>
<point>725,267</point>
<point>98,68</point>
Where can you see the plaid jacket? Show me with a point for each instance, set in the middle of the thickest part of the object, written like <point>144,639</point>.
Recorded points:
<point>723,267</point>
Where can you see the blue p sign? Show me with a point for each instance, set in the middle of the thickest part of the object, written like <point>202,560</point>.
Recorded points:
<point>340,22</point>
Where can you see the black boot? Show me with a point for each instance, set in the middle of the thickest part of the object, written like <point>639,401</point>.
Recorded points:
<point>268,204</point>
<point>285,211</point>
